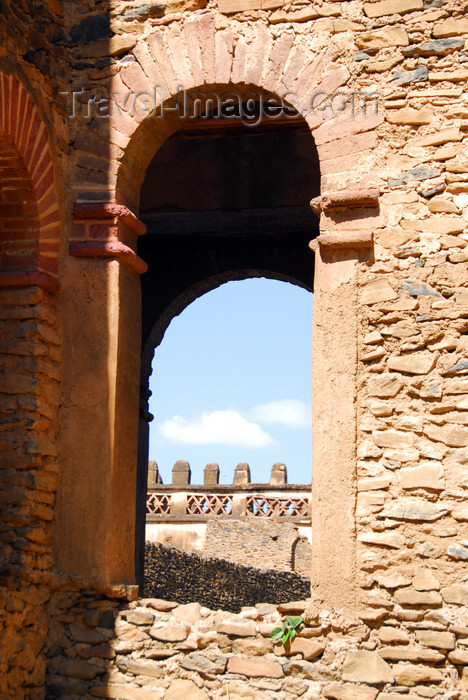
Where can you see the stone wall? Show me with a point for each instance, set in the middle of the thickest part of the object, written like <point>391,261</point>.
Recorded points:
<point>267,543</point>
<point>154,648</point>
<point>270,544</point>
<point>216,583</point>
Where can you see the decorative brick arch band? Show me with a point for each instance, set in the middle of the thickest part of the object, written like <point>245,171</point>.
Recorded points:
<point>196,57</point>
<point>29,215</point>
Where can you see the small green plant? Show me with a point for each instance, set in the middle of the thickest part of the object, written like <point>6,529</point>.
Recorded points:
<point>287,631</point>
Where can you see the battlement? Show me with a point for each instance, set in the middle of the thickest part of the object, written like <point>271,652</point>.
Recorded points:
<point>242,499</point>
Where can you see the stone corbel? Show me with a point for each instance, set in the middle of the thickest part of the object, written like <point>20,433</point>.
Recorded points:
<point>350,211</point>
<point>108,230</point>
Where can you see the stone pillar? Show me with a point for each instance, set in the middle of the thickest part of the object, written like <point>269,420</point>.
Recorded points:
<point>179,504</point>
<point>211,474</point>
<point>181,473</point>
<point>242,474</point>
<point>279,474</point>
<point>154,477</point>
<point>334,388</point>
<point>239,505</point>
<point>94,529</point>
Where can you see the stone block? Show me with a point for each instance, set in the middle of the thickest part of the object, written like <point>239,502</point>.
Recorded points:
<point>458,551</point>
<point>349,692</point>
<point>410,76</point>
<point>407,596</point>
<point>366,667</point>
<point>418,288</point>
<point>181,473</point>
<point>86,635</point>
<point>414,509</point>
<point>183,689</point>
<point>414,363</point>
<point>438,47</point>
<point>391,580</point>
<point>254,647</point>
<point>170,633</point>
<point>456,594</point>
<point>140,617</point>
<point>450,27</point>
<point>114,46</point>
<point>385,385</point>
<point>395,439</point>
<point>383,539</point>
<point>426,581</point>
<point>459,657</point>
<point>189,613</point>
<point>408,115</point>
<point>377,291</point>
<point>427,476</point>
<point>202,664</point>
<point>411,675</point>
<point>237,628</point>
<point>393,635</point>
<point>295,607</point>
<point>411,653</point>
<point>308,648</point>
<point>437,225</point>
<point>442,136</point>
<point>140,667</point>
<point>453,436</point>
<point>460,513</point>
<point>161,605</point>
<point>436,640</point>
<point>437,205</point>
<point>391,7</point>
<point>78,668</point>
<point>254,668</point>
<point>382,38</point>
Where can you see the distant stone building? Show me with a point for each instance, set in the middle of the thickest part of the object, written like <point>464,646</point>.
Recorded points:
<point>265,525</point>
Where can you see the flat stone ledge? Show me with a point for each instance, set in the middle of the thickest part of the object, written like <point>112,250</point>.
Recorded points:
<point>344,240</point>
<point>331,201</point>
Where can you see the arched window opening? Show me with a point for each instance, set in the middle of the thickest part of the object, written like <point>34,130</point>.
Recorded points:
<point>223,201</point>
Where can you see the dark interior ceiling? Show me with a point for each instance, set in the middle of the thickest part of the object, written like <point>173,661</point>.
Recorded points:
<point>223,201</point>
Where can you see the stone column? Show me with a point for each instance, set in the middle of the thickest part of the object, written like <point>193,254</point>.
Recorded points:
<point>344,241</point>
<point>94,533</point>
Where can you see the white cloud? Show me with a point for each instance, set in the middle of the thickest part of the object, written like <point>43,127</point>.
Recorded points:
<point>215,428</point>
<point>292,413</point>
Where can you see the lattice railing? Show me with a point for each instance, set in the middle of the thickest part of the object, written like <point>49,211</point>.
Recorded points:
<point>270,507</point>
<point>208,504</point>
<point>179,505</point>
<point>158,504</point>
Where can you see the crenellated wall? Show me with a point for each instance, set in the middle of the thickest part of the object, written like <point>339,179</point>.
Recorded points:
<point>240,522</point>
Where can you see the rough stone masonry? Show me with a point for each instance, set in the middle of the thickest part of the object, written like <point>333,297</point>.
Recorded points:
<point>388,613</point>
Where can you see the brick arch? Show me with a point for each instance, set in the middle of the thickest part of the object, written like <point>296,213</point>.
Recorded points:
<point>29,215</point>
<point>197,57</point>
<point>30,391</point>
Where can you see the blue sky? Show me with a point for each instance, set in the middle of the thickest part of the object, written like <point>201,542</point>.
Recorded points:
<point>231,383</point>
